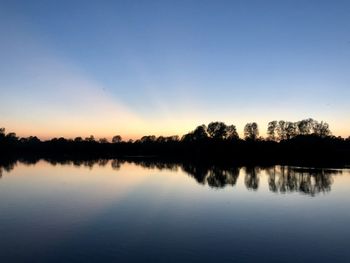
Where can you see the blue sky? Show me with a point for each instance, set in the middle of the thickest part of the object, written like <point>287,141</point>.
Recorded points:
<point>72,68</point>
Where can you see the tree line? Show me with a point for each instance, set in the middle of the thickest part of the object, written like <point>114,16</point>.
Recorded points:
<point>285,140</point>
<point>276,131</point>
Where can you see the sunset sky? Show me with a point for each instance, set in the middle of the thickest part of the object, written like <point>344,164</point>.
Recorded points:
<point>75,68</point>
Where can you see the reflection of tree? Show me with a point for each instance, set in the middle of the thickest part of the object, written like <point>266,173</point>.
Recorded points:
<point>222,177</point>
<point>29,161</point>
<point>251,179</point>
<point>281,179</point>
<point>9,166</point>
<point>214,176</point>
<point>271,172</point>
<point>287,181</point>
<point>77,163</point>
<point>199,172</point>
<point>6,166</point>
<point>307,181</point>
<point>152,164</point>
<point>115,164</point>
<point>102,162</point>
<point>89,163</point>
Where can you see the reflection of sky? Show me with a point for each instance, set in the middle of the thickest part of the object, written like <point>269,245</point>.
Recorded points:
<point>64,212</point>
<point>164,67</point>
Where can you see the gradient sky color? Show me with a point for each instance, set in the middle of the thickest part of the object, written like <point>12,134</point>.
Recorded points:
<point>75,68</point>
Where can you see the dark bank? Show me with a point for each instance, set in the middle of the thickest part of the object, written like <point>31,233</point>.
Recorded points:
<point>304,142</point>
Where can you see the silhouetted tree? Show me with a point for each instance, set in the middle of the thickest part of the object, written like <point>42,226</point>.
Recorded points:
<point>78,139</point>
<point>251,131</point>
<point>290,130</point>
<point>217,130</point>
<point>281,130</point>
<point>231,132</point>
<point>287,130</point>
<point>173,138</point>
<point>271,130</point>
<point>148,139</point>
<point>91,138</point>
<point>2,135</point>
<point>321,129</point>
<point>161,139</point>
<point>103,140</point>
<point>11,137</point>
<point>30,140</point>
<point>199,134</point>
<point>305,126</point>
<point>116,139</point>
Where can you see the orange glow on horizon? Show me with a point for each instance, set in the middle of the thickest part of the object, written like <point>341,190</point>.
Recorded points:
<point>133,132</point>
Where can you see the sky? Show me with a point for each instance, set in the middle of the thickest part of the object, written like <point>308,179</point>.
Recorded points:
<point>75,68</point>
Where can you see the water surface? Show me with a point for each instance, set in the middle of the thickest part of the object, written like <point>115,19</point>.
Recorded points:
<point>117,211</point>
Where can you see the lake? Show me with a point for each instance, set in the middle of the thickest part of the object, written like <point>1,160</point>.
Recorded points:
<point>143,211</point>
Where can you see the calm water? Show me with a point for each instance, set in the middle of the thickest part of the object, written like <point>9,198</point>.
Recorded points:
<point>133,212</point>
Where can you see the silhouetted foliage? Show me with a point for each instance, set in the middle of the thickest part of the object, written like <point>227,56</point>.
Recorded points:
<point>148,139</point>
<point>173,138</point>
<point>271,131</point>
<point>116,139</point>
<point>217,130</point>
<point>305,126</point>
<point>11,137</point>
<point>321,129</point>
<point>91,138</point>
<point>302,141</point>
<point>231,133</point>
<point>78,139</point>
<point>103,140</point>
<point>251,131</point>
<point>199,134</point>
<point>285,130</point>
